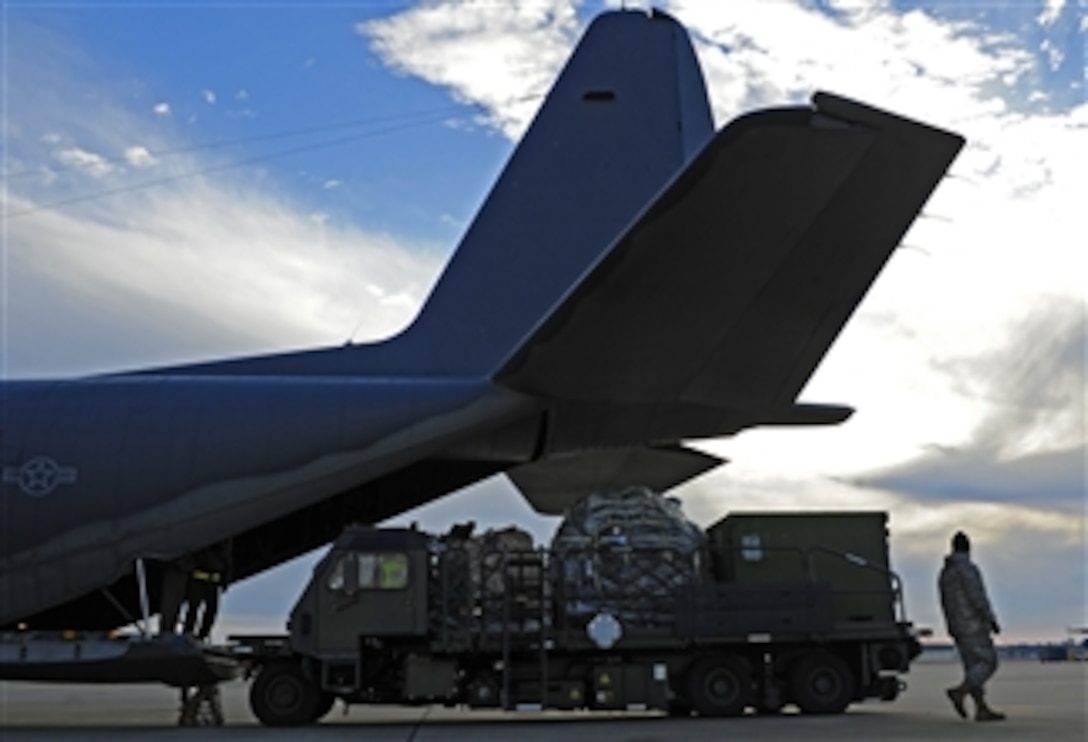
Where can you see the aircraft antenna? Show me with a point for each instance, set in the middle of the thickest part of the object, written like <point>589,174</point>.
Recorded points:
<point>354,332</point>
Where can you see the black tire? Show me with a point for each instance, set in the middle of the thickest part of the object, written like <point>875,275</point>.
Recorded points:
<point>720,686</point>
<point>822,684</point>
<point>282,696</point>
<point>679,709</point>
<point>324,705</point>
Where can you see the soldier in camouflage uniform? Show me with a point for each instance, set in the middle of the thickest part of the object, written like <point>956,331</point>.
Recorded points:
<point>970,622</point>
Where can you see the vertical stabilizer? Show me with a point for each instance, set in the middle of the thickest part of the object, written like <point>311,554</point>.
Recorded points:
<point>627,112</point>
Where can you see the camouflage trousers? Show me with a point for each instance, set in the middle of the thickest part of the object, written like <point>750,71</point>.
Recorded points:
<point>979,659</point>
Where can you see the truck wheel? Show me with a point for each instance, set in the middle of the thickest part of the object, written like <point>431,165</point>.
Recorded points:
<point>678,708</point>
<point>720,686</point>
<point>822,684</point>
<point>324,705</point>
<point>282,696</point>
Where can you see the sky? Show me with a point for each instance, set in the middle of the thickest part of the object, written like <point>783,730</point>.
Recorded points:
<point>193,180</point>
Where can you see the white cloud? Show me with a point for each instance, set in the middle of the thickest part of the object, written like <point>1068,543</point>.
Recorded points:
<point>501,56</point>
<point>209,96</point>
<point>241,95</point>
<point>1052,10</point>
<point>161,109</point>
<point>330,184</point>
<point>267,276</point>
<point>755,53</point>
<point>89,162</point>
<point>1054,53</point>
<point>139,157</point>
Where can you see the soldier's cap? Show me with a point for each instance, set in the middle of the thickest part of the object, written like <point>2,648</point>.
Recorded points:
<point>960,542</point>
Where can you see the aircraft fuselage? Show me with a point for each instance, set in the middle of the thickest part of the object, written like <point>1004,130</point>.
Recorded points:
<point>99,471</point>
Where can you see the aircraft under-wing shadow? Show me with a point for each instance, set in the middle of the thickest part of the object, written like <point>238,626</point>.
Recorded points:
<point>633,280</point>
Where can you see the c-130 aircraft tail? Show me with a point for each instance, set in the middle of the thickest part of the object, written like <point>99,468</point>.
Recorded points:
<point>632,281</point>
<point>627,112</point>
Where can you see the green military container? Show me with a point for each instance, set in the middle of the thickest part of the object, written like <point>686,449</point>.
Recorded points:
<point>846,550</point>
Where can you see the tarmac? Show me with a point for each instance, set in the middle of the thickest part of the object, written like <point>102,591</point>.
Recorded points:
<point>1043,702</point>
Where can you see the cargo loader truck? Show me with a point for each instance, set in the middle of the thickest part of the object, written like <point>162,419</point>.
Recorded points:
<point>632,607</point>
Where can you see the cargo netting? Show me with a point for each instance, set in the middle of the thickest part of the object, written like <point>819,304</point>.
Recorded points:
<point>626,553</point>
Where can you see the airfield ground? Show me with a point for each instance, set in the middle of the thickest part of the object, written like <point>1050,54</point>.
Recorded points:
<point>1044,702</point>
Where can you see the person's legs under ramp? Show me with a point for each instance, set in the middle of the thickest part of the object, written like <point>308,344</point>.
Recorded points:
<point>211,609</point>
<point>173,592</point>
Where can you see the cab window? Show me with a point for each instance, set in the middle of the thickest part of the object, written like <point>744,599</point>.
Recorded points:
<point>368,571</point>
<point>334,580</point>
<point>383,571</point>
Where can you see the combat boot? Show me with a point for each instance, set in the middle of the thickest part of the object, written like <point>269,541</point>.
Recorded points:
<point>982,711</point>
<point>956,696</point>
<point>985,713</point>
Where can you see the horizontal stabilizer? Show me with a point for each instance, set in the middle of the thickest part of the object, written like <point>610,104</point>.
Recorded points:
<point>810,414</point>
<point>552,485</point>
<point>732,284</point>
